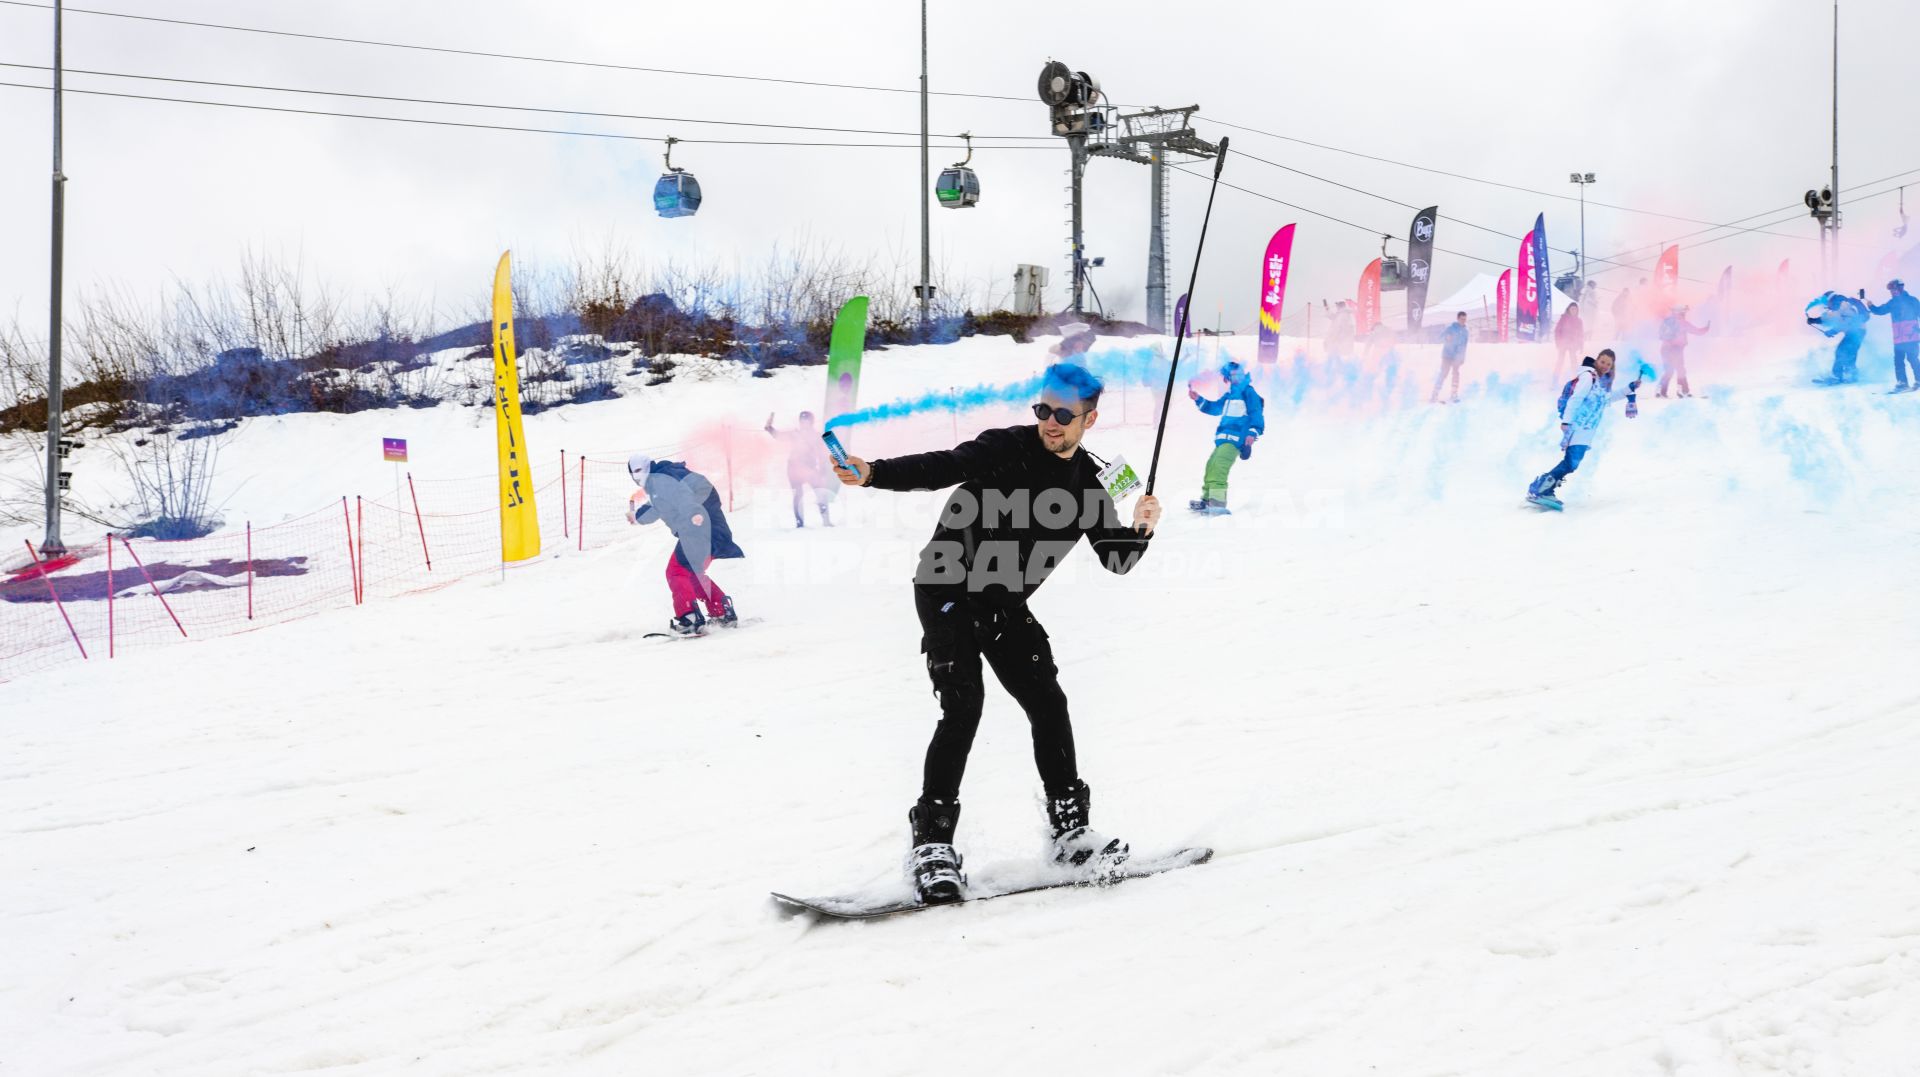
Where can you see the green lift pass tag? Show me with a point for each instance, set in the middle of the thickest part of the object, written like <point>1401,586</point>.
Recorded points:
<point>1118,478</point>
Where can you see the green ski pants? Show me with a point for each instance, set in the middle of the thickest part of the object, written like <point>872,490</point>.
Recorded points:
<point>1214,486</point>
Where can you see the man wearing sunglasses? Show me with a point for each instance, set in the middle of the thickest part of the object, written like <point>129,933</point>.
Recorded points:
<point>1026,495</point>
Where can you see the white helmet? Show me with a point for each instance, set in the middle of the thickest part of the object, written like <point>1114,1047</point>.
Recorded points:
<point>637,466</point>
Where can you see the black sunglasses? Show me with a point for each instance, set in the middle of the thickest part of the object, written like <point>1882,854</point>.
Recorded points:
<point>1060,415</point>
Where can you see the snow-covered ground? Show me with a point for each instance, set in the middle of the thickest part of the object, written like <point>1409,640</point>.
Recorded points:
<point>1628,790</point>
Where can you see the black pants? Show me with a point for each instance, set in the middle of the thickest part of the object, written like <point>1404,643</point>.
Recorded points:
<point>958,632</point>
<point>1846,357</point>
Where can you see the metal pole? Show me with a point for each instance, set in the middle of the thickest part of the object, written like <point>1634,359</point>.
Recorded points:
<point>51,546</point>
<point>1835,226</point>
<point>1157,245</point>
<point>1583,240</point>
<point>1077,146</point>
<point>926,259</point>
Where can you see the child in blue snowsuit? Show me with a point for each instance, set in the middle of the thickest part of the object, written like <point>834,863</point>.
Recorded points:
<point>1243,418</point>
<point>1585,405</point>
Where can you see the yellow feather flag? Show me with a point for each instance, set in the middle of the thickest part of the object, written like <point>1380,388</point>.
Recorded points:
<point>519,521</point>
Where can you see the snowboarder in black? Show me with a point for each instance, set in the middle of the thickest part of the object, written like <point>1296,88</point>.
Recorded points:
<point>1026,496</point>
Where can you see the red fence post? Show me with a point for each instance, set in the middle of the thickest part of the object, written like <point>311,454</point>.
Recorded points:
<point>109,594</point>
<point>580,528</point>
<point>249,570</point>
<point>360,506</point>
<point>421,522</point>
<point>151,586</point>
<point>353,567</point>
<point>48,578</point>
<point>563,493</point>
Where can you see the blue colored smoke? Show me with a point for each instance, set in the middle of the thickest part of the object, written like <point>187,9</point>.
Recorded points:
<point>1114,367</point>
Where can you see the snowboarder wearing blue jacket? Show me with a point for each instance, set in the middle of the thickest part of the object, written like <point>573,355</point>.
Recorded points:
<point>1845,317</point>
<point>1243,418</point>
<point>1581,411</point>
<point>685,500</point>
<point>1453,354</point>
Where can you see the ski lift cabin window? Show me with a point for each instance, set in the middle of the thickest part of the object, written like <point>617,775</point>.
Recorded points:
<point>677,193</point>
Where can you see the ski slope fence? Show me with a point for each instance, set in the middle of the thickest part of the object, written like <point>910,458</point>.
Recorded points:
<point>121,595</point>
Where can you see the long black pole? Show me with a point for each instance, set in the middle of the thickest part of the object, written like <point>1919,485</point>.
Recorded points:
<point>1180,331</point>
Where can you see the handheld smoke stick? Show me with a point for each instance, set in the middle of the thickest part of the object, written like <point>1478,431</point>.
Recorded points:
<point>835,449</point>
<point>1180,330</point>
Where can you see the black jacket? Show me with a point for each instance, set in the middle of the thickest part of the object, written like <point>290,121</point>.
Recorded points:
<point>1018,513</point>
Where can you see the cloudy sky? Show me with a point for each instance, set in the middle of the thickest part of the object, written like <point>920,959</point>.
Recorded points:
<point>1705,109</point>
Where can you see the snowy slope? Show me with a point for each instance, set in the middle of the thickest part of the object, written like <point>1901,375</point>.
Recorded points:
<point>1628,790</point>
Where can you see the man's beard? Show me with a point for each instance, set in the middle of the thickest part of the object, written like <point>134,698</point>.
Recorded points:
<point>1067,442</point>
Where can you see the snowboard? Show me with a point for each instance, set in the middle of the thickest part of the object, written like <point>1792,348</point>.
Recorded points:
<point>706,630</point>
<point>1003,880</point>
<point>1545,502</point>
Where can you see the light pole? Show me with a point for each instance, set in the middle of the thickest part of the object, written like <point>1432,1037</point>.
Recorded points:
<point>925,291</point>
<point>51,546</point>
<point>1583,179</point>
<point>1836,132</point>
<point>1825,203</point>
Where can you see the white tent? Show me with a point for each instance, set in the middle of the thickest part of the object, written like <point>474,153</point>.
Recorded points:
<point>1478,297</point>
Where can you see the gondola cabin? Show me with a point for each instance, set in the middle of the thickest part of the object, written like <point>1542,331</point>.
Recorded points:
<point>1393,274</point>
<point>958,188</point>
<point>676,194</point>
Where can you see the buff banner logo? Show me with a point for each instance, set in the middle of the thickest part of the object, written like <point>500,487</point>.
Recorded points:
<point>519,519</point>
<point>1419,263</point>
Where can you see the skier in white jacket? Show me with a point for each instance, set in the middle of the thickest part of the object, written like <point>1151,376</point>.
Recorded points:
<point>1594,387</point>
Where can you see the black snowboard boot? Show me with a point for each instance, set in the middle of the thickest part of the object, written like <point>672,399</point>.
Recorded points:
<point>690,623</point>
<point>934,865</point>
<point>1074,842</point>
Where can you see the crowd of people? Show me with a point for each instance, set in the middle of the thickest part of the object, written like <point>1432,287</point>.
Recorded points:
<point>970,593</point>
<point>668,491</point>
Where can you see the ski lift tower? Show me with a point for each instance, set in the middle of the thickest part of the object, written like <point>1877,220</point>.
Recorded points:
<point>1152,138</point>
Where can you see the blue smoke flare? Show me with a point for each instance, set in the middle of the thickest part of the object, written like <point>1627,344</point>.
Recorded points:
<point>1114,367</point>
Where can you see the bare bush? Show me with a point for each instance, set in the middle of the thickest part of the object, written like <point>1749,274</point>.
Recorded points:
<point>23,375</point>
<point>172,470</point>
